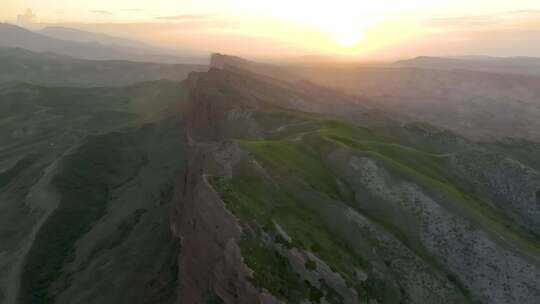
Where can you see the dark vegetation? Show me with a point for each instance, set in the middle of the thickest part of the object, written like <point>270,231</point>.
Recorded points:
<point>123,229</point>
<point>7,176</point>
<point>273,271</point>
<point>85,180</point>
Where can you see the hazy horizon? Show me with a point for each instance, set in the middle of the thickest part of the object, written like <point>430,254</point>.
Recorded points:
<point>357,30</point>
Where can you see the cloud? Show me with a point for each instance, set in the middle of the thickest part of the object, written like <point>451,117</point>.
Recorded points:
<point>189,17</point>
<point>151,28</point>
<point>103,12</point>
<point>27,17</point>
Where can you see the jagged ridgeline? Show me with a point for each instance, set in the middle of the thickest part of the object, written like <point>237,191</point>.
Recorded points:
<point>290,198</point>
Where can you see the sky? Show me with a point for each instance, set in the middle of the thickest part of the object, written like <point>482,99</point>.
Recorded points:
<point>364,30</point>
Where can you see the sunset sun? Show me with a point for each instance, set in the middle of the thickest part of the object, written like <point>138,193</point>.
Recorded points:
<point>348,38</point>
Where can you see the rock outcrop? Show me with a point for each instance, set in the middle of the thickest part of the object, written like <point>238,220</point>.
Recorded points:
<point>211,264</point>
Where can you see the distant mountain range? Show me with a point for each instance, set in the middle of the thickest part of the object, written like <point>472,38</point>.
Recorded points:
<point>514,65</point>
<point>481,105</point>
<point>86,45</point>
<point>66,33</point>
<point>500,65</point>
<point>53,69</point>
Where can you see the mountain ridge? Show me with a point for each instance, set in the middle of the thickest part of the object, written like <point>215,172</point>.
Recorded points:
<point>56,69</point>
<point>513,65</point>
<point>15,36</point>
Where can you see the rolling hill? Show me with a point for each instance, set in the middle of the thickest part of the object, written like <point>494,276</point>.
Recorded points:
<point>87,46</point>
<point>21,65</point>
<point>479,105</point>
<point>511,65</point>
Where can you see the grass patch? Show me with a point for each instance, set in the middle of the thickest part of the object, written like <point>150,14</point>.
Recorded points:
<point>297,159</point>
<point>273,271</point>
<point>347,130</point>
<point>429,164</point>
<point>257,204</point>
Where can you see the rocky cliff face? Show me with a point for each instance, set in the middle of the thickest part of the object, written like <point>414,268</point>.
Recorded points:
<point>211,264</point>
<point>219,61</point>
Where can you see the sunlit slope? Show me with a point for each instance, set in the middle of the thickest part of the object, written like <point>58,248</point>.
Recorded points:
<point>340,212</point>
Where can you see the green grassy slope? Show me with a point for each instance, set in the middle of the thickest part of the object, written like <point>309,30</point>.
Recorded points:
<point>428,170</point>
<point>295,159</point>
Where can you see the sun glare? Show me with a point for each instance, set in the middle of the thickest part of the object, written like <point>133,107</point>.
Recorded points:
<point>348,38</point>
<point>345,33</point>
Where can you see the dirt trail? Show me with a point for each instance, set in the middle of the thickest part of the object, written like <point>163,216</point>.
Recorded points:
<point>44,199</point>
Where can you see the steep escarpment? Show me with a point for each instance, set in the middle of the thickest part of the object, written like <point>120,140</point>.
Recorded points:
<point>211,264</point>
<point>288,203</point>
